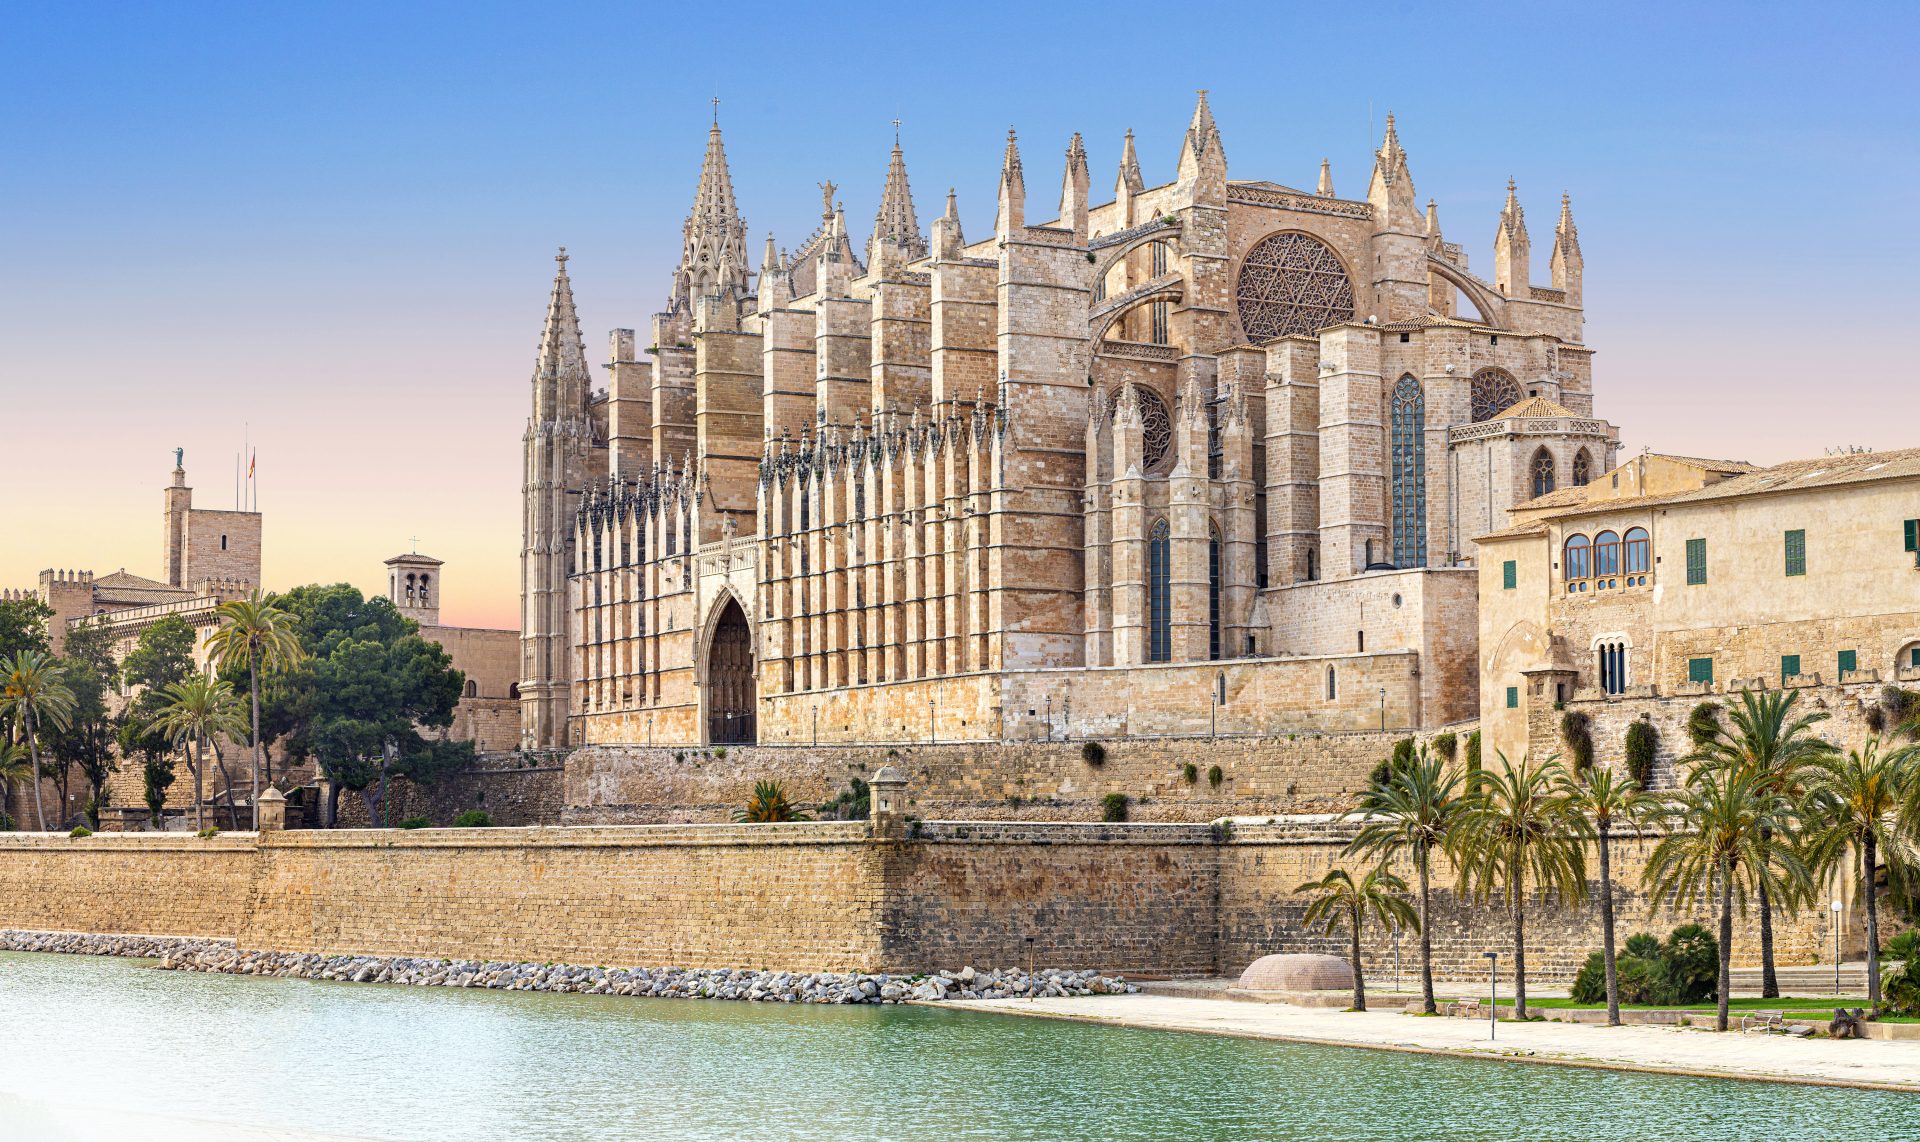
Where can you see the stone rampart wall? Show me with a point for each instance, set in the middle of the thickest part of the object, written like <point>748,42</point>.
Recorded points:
<point>1026,781</point>
<point>1145,898</point>
<point>513,791</point>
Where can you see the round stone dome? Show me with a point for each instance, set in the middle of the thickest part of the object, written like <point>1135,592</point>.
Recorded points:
<point>1297,971</point>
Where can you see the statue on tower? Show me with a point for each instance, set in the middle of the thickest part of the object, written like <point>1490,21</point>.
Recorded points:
<point>179,459</point>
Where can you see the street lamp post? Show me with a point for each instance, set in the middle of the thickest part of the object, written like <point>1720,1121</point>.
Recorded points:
<point>1049,717</point>
<point>1493,995</point>
<point>1383,709</point>
<point>1836,946</point>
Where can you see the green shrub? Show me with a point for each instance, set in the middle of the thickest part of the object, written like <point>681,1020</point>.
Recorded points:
<point>209,831</point>
<point>1641,740</point>
<point>1643,946</point>
<point>1900,986</point>
<point>1473,752</point>
<point>1693,965</point>
<point>1113,807</point>
<point>1093,753</point>
<point>80,831</point>
<point>1190,773</point>
<point>473,819</point>
<point>6,822</point>
<point>1576,729</point>
<point>1446,745</point>
<point>416,823</point>
<point>1402,753</point>
<point>1215,775</point>
<point>1590,986</point>
<point>855,803</point>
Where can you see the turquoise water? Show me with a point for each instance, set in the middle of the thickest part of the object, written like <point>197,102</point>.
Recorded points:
<point>95,1040</point>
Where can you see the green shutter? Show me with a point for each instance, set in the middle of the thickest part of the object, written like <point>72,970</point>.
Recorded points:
<point>1848,661</point>
<point>1797,552</point>
<point>1696,562</point>
<point>1915,660</point>
<point>1789,665</point>
<point>1513,697</point>
<point>1912,528</point>
<point>1509,575</point>
<point>1700,670</point>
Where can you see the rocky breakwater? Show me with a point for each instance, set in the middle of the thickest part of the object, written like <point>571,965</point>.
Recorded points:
<point>662,983</point>
<point>88,944</point>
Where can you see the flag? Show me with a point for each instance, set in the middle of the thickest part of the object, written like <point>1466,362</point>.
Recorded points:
<point>252,458</point>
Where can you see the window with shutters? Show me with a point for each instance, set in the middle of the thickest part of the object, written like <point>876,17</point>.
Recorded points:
<point>1700,670</point>
<point>1789,666</point>
<point>1849,661</point>
<point>1797,552</point>
<point>1911,536</point>
<point>1513,697</point>
<point>1696,562</point>
<point>1509,575</point>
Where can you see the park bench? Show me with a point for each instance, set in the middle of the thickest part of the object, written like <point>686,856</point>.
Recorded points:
<point>1765,1022</point>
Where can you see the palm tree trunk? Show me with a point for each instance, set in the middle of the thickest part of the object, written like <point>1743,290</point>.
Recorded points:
<point>1359,980</point>
<point>226,780</point>
<point>1769,981</point>
<point>1425,861</point>
<point>33,752</point>
<point>333,803</point>
<point>253,683</point>
<point>1870,859</point>
<point>1606,928</point>
<point>1519,942</point>
<point>1726,945</point>
<point>199,799</point>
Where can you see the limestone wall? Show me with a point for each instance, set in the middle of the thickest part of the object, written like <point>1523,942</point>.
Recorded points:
<point>1026,781</point>
<point>511,791</point>
<point>1145,898</point>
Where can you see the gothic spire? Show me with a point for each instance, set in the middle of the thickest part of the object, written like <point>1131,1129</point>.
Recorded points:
<point>894,224</point>
<point>713,229</point>
<point>948,240</point>
<point>1129,168</point>
<point>1325,189</point>
<point>1202,142</point>
<point>1433,220</point>
<point>1391,191</point>
<point>1565,234</point>
<point>1073,189</point>
<point>1510,247</point>
<point>1013,189</point>
<point>561,379</point>
<point>1567,265</point>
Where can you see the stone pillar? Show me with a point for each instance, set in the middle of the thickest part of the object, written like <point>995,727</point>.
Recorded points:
<point>272,811</point>
<point>887,804</point>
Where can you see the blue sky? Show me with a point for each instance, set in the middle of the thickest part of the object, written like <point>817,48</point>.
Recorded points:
<point>332,226</point>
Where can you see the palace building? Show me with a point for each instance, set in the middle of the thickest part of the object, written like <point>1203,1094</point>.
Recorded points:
<point>1209,454</point>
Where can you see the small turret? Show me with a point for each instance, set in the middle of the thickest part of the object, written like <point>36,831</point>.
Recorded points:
<point>1012,214</point>
<point>1391,191</point>
<point>1568,265</point>
<point>1510,248</point>
<point>949,242</point>
<point>1073,190</point>
<point>1203,158</point>
<point>1325,189</point>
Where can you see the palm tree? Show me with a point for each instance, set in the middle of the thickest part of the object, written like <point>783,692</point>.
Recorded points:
<point>256,634</point>
<point>1607,800</point>
<point>1414,812</point>
<point>15,770</point>
<point>769,804</point>
<point>34,692</point>
<point>197,708</point>
<point>1854,806</point>
<point>1517,827</point>
<point>1766,739</point>
<point>1723,839</point>
<point>1337,900</point>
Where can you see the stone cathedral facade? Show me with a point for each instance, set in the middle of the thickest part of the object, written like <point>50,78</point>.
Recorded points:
<point>1207,456</point>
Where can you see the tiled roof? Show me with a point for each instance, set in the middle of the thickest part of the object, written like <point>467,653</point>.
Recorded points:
<point>1534,406</point>
<point>1803,475</point>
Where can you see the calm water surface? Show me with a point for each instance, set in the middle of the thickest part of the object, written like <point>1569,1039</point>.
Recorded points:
<point>95,1040</point>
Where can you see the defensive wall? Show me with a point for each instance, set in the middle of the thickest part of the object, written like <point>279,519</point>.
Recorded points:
<point>1178,899</point>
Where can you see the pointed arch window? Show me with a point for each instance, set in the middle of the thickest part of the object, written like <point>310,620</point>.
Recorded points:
<point>1409,457</point>
<point>1333,684</point>
<point>1159,594</point>
<point>1582,469</point>
<point>1213,592</point>
<point>1542,469</point>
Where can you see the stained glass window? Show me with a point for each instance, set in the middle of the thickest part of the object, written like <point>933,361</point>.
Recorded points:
<point>1159,600</point>
<point>1542,473</point>
<point>1409,449</point>
<point>1291,284</point>
<point>1494,391</point>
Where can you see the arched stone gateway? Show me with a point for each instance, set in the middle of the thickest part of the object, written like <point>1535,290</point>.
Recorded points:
<point>730,688</point>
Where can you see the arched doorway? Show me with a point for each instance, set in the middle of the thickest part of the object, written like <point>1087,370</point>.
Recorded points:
<point>730,690</point>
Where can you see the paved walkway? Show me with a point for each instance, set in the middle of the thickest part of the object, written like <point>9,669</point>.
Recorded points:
<point>1778,1058</point>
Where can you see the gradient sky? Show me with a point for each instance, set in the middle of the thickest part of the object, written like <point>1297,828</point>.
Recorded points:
<point>332,227</point>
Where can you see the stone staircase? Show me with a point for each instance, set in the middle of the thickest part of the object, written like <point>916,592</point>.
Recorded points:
<point>1807,980</point>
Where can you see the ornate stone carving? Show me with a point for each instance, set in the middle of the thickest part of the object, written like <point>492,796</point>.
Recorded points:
<point>1291,283</point>
<point>1156,426</point>
<point>1494,392</point>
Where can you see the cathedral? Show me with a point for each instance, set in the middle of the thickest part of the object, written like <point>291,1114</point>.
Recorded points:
<point>1207,456</point>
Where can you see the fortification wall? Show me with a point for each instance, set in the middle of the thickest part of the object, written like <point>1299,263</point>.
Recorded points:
<point>510,789</point>
<point>1299,773</point>
<point>1146,898</point>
